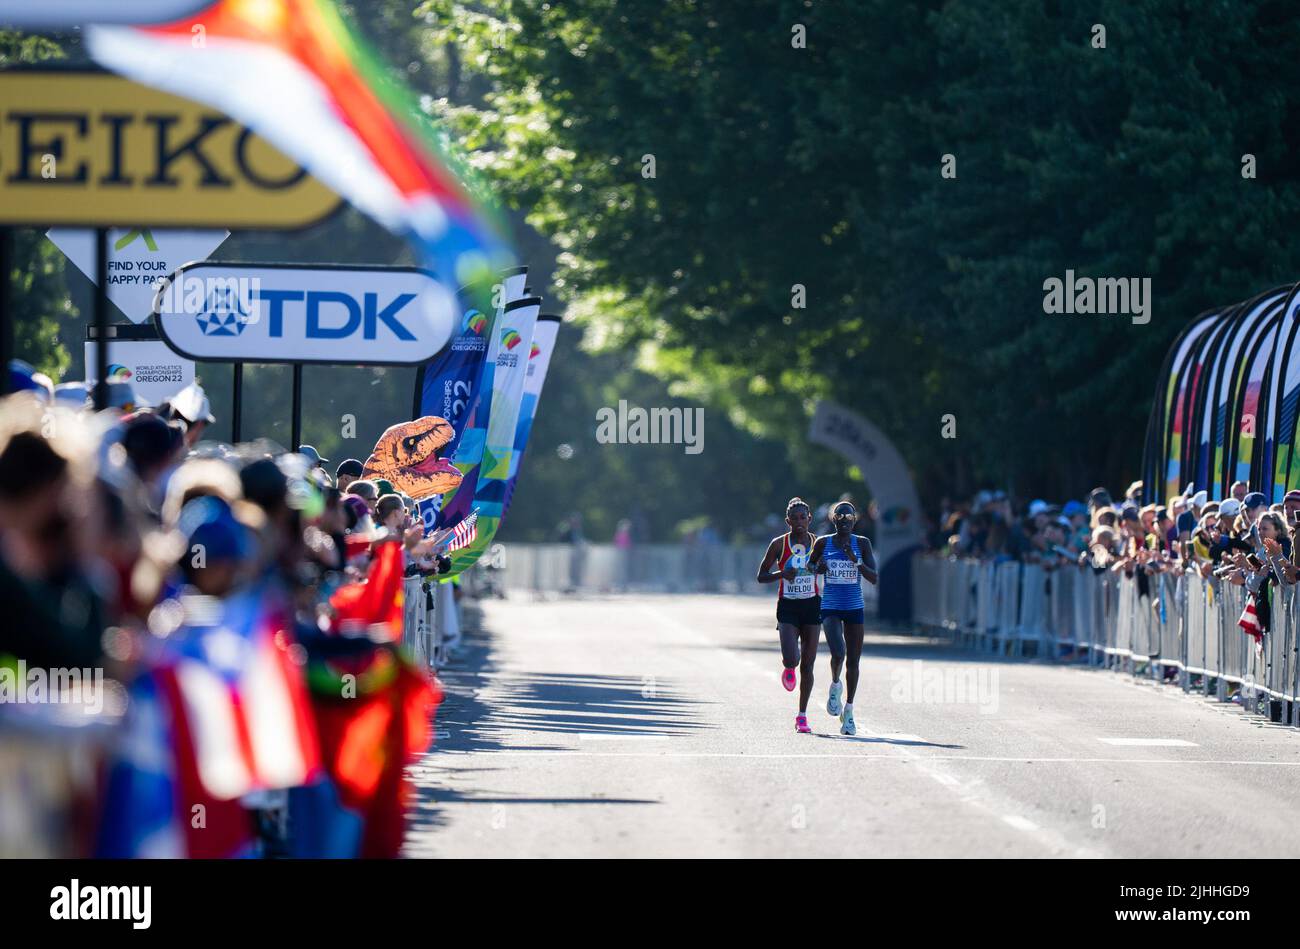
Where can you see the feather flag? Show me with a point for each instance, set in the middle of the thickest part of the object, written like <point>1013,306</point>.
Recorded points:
<point>485,486</point>
<point>539,361</point>
<point>448,385</point>
<point>293,72</point>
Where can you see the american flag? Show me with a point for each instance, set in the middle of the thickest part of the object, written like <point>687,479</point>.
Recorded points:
<point>464,533</point>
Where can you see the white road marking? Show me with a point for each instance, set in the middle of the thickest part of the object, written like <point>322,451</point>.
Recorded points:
<point>1149,742</point>
<point>1020,823</point>
<point>869,757</point>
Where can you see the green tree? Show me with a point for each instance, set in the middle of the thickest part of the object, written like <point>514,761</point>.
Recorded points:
<point>820,165</point>
<point>38,295</point>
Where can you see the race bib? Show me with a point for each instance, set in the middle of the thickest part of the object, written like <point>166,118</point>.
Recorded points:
<point>841,571</point>
<point>803,586</point>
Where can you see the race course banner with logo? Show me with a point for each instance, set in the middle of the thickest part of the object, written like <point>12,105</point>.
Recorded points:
<point>137,356</point>
<point>90,149</point>
<point>446,387</point>
<point>139,260</point>
<point>507,395</point>
<point>499,392</point>
<point>539,361</point>
<point>898,527</point>
<point>270,313</point>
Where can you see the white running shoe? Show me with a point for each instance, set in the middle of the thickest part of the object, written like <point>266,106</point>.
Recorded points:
<point>847,725</point>
<point>833,705</point>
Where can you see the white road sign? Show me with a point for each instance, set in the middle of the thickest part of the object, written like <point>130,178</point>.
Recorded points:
<point>138,260</point>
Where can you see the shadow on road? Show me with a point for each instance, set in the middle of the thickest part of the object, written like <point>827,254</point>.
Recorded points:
<point>883,740</point>
<point>484,709</point>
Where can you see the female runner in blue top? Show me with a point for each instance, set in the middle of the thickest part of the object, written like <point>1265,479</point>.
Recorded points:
<point>846,559</point>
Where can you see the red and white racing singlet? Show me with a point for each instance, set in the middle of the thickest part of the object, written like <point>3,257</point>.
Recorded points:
<point>805,585</point>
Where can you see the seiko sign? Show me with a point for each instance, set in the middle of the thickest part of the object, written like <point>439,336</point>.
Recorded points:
<point>93,150</point>
<point>304,313</point>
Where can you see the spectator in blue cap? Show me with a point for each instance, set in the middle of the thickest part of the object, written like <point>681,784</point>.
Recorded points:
<point>1253,505</point>
<point>216,546</point>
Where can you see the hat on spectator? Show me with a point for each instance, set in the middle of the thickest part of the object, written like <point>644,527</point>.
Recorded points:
<point>313,456</point>
<point>209,522</point>
<point>191,404</point>
<point>1133,490</point>
<point>1292,495</point>
<point>23,377</point>
<point>1074,508</point>
<point>349,466</point>
<point>357,506</point>
<point>1229,507</point>
<point>1037,507</point>
<point>1199,498</point>
<point>1099,497</point>
<point>1129,512</point>
<point>73,394</point>
<point>121,395</point>
<point>1253,500</point>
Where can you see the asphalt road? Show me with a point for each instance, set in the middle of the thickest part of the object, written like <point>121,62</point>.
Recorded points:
<point>657,726</point>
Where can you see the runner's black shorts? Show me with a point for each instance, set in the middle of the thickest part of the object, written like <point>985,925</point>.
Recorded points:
<point>799,612</point>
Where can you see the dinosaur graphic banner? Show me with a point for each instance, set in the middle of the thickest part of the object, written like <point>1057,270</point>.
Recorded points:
<point>409,455</point>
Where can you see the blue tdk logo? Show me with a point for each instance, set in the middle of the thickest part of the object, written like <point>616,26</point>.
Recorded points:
<point>334,315</point>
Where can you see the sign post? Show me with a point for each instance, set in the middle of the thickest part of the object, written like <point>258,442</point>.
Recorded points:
<point>101,318</point>
<point>6,313</point>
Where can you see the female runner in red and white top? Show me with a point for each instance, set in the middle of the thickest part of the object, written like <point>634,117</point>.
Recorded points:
<point>798,604</point>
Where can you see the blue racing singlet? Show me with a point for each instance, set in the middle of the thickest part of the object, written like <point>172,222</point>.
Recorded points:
<point>842,587</point>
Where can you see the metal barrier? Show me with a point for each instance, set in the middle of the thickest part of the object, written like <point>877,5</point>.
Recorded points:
<point>1171,627</point>
<point>644,568</point>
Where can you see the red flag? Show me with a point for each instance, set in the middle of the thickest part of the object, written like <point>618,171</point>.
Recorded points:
<point>377,599</point>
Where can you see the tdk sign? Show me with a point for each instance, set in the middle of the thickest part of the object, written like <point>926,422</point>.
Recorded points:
<point>292,313</point>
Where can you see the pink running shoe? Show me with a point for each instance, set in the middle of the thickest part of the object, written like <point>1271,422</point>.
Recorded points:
<point>788,679</point>
<point>801,725</point>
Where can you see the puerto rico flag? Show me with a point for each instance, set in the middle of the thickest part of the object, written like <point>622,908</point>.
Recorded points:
<point>242,715</point>
<point>221,712</point>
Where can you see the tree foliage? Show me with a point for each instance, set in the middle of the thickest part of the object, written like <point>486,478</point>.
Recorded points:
<point>777,165</point>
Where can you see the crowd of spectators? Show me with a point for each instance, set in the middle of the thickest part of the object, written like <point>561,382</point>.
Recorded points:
<point>132,546</point>
<point>1241,539</point>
